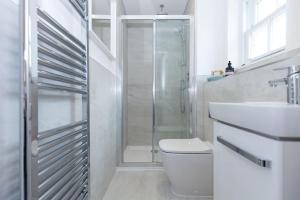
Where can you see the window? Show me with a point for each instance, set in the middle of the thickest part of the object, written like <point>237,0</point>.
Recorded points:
<point>264,28</point>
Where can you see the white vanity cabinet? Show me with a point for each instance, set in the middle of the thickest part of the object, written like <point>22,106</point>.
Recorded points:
<point>257,151</point>
<point>248,166</point>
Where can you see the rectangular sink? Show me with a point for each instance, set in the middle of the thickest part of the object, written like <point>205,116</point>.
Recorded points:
<point>276,120</point>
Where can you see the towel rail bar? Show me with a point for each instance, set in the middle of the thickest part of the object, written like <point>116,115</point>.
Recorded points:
<point>68,170</point>
<point>59,27</point>
<point>55,170</point>
<point>48,86</point>
<point>64,190</point>
<point>79,7</point>
<point>77,193</point>
<point>43,156</point>
<point>58,56</point>
<point>62,156</point>
<point>52,43</point>
<point>59,140</point>
<point>54,186</point>
<point>60,37</point>
<point>60,129</point>
<point>59,78</point>
<point>82,181</point>
<point>58,67</point>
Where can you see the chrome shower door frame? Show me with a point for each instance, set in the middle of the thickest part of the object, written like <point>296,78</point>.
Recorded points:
<point>192,83</point>
<point>192,91</point>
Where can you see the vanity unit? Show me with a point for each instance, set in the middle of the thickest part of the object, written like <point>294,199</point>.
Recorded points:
<point>257,147</point>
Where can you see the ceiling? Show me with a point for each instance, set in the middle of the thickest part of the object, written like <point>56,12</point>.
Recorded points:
<point>151,7</point>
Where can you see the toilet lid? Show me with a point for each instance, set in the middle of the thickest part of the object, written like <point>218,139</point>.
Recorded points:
<point>184,146</point>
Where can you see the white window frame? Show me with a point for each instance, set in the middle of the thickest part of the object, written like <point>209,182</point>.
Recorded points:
<point>249,26</point>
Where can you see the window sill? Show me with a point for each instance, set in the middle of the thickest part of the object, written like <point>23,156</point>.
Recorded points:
<point>266,55</point>
<point>274,58</point>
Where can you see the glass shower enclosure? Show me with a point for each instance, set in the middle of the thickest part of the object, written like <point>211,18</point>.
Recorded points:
<point>156,98</point>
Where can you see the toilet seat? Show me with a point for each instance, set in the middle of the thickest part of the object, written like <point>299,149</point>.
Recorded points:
<point>184,146</point>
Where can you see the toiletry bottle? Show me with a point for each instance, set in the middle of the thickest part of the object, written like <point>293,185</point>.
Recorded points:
<point>229,70</point>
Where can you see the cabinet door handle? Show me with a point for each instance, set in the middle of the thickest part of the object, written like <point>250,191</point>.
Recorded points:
<point>258,161</point>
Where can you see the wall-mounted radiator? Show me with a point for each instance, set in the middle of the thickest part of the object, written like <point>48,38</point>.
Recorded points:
<point>57,157</point>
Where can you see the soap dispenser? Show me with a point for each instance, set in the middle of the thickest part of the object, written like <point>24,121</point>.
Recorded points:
<point>229,69</point>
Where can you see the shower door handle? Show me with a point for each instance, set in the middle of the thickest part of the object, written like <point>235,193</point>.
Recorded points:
<point>182,96</point>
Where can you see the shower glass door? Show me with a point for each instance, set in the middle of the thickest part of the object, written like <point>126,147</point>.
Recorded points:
<point>171,81</point>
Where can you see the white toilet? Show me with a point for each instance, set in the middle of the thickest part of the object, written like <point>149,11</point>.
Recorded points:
<point>189,166</point>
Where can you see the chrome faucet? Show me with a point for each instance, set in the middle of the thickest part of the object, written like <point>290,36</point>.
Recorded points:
<point>292,81</point>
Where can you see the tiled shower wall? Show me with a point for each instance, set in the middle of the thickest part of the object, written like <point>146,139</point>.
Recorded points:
<point>242,87</point>
<point>139,83</point>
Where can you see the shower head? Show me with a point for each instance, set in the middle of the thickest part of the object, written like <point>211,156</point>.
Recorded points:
<point>162,12</point>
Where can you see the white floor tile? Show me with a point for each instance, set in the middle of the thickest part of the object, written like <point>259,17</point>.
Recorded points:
<point>140,154</point>
<point>141,185</point>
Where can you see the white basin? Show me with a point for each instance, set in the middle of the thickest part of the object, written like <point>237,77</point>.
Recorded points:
<point>274,119</point>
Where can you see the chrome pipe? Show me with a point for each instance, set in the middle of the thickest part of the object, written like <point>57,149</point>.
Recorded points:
<point>44,15</point>
<point>73,182</point>
<point>55,152</point>
<point>60,140</point>
<point>292,81</point>
<point>58,67</point>
<point>58,56</point>
<point>52,187</point>
<point>78,192</point>
<point>79,8</point>
<point>62,156</point>
<point>52,43</point>
<point>61,129</point>
<point>71,168</point>
<point>81,182</point>
<point>48,86</point>
<point>63,39</point>
<point>154,91</point>
<point>54,169</point>
<point>55,77</point>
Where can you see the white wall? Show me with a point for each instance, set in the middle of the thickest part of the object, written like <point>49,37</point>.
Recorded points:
<point>293,24</point>
<point>102,122</point>
<point>211,35</point>
<point>10,93</point>
<point>103,109</point>
<point>219,32</point>
<point>234,26</point>
<point>190,8</point>
<point>105,106</point>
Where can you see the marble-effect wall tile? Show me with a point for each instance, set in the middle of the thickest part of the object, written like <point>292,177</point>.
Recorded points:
<point>102,128</point>
<point>246,86</point>
<point>139,84</point>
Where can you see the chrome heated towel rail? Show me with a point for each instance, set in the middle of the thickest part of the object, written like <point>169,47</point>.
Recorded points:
<point>57,160</point>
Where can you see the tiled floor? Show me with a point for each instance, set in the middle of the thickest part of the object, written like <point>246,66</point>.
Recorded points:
<point>140,154</point>
<point>141,185</point>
